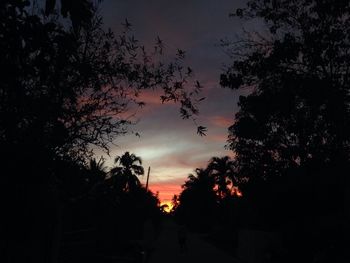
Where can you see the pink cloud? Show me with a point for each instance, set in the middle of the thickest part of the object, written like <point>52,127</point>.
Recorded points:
<point>217,137</point>
<point>151,97</point>
<point>221,121</point>
<point>166,190</point>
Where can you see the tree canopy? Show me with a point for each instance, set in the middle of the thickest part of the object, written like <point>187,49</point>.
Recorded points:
<point>128,168</point>
<point>66,90</point>
<point>297,71</point>
<point>208,195</point>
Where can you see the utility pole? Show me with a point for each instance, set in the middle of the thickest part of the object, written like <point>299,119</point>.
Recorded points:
<point>149,170</point>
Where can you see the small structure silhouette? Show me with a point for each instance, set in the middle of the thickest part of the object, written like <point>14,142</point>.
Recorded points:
<point>182,238</point>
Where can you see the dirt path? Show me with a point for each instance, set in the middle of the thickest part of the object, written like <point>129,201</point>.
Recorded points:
<point>167,249</point>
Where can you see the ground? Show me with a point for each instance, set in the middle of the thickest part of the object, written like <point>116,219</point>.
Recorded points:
<point>166,248</point>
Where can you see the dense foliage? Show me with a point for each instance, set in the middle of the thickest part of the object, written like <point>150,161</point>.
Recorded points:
<point>207,195</point>
<point>297,70</point>
<point>291,133</point>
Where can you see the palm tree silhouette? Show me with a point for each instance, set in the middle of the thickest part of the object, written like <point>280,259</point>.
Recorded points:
<point>222,169</point>
<point>125,174</point>
<point>198,200</point>
<point>97,176</point>
<point>200,179</point>
<point>97,170</point>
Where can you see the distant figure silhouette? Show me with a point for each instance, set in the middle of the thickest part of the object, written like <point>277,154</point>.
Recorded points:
<point>182,238</point>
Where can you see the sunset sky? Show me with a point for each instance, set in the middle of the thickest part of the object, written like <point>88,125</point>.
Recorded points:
<point>168,144</point>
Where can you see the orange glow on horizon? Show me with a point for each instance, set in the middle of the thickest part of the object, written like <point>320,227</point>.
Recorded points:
<point>167,205</point>
<point>166,191</point>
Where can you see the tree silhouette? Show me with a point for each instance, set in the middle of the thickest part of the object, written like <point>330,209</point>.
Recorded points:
<point>96,177</point>
<point>295,118</point>
<point>85,80</point>
<point>129,167</point>
<point>197,202</point>
<point>201,179</point>
<point>223,171</point>
<point>174,203</point>
<point>80,12</point>
<point>291,133</point>
<point>97,169</point>
<point>209,194</point>
<point>297,110</point>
